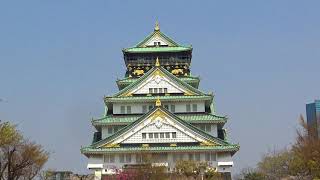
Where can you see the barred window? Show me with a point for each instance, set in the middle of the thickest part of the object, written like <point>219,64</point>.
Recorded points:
<point>174,135</point>
<point>161,135</point>
<point>173,108</point>
<point>194,107</point>
<point>144,135</point>
<point>167,135</point>
<point>129,109</point>
<point>188,108</point>
<point>144,109</point>
<point>123,109</point>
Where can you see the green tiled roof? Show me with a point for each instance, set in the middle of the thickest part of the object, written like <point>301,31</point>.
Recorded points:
<point>157,49</point>
<point>191,118</point>
<point>154,98</point>
<point>183,123</point>
<point>191,80</point>
<point>91,150</point>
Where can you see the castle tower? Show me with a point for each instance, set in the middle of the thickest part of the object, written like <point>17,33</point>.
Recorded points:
<point>159,113</point>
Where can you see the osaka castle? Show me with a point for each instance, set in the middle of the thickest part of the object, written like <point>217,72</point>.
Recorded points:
<point>159,114</point>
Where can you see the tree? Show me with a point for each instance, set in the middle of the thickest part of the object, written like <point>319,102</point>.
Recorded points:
<point>19,158</point>
<point>306,152</point>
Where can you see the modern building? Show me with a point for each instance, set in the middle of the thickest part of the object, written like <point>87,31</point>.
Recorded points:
<point>313,117</point>
<point>159,115</point>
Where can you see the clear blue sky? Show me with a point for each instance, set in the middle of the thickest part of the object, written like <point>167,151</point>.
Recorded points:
<point>58,58</point>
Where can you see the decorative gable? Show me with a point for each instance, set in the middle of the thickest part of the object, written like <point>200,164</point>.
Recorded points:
<point>158,83</point>
<point>161,81</point>
<point>157,38</point>
<point>160,126</point>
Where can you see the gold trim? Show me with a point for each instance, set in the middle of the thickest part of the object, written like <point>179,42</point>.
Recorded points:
<point>173,145</point>
<point>112,145</point>
<point>157,26</point>
<point>145,145</point>
<point>157,62</point>
<point>158,102</point>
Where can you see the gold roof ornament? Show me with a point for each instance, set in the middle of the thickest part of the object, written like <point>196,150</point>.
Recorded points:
<point>157,62</point>
<point>158,102</point>
<point>157,26</point>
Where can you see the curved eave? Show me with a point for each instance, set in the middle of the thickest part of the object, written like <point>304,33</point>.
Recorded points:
<point>156,49</point>
<point>162,98</point>
<point>227,148</point>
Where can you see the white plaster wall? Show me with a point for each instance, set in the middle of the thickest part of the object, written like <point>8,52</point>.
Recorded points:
<point>156,39</point>
<point>180,107</point>
<point>95,159</point>
<point>224,157</point>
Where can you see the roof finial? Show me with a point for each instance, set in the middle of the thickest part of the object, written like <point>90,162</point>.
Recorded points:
<point>158,102</point>
<point>157,27</point>
<point>157,62</point>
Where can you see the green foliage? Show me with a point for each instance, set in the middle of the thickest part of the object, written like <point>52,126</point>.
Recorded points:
<point>301,161</point>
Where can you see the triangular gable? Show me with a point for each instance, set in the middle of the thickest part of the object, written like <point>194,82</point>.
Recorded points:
<point>157,36</point>
<point>156,76</point>
<point>162,121</point>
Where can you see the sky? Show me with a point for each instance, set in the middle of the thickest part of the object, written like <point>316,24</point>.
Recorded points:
<point>59,58</point>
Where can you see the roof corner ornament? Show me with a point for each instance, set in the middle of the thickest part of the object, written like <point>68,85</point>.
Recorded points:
<point>158,102</point>
<point>157,62</point>
<point>157,26</point>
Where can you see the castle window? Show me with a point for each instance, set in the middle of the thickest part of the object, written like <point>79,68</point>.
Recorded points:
<point>213,156</point>
<point>161,135</point>
<point>109,158</point>
<point>144,109</point>
<point>188,108</point>
<point>115,129</point>
<point>150,90</point>
<point>203,127</point>
<point>207,156</point>
<point>174,135</point>
<point>121,158</point>
<point>208,127</point>
<point>160,90</point>
<point>128,158</point>
<point>156,135</point>
<point>155,90</point>
<point>128,109</point>
<point>166,106</point>
<point>191,157</point>
<point>123,109</point>
<point>197,156</point>
<point>144,135</point>
<point>194,108</point>
<point>139,158</point>
<point>165,90</point>
<point>150,107</point>
<point>173,108</point>
<point>109,130</point>
<point>150,135</point>
<point>167,135</point>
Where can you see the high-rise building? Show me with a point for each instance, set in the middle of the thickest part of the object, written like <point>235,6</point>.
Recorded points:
<point>159,115</point>
<point>313,117</point>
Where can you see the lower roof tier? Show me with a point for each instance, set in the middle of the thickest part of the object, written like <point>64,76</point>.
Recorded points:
<point>226,148</point>
<point>167,98</point>
<point>191,118</point>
